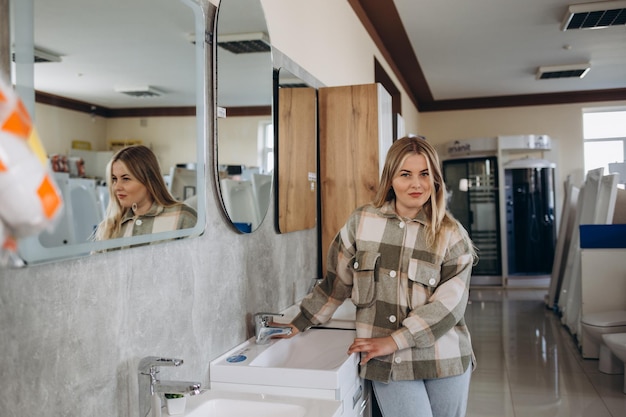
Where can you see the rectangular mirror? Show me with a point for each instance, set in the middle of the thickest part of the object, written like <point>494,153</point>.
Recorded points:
<point>106,75</point>
<point>295,95</point>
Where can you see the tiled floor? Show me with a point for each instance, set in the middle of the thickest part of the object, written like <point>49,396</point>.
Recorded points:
<point>529,365</point>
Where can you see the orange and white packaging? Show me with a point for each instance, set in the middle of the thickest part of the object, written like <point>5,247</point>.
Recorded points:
<point>30,201</point>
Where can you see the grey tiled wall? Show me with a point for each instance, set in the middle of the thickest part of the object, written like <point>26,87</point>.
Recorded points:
<point>73,331</point>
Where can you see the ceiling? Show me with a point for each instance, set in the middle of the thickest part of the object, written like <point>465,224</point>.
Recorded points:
<point>447,54</point>
<point>485,53</point>
<point>107,46</point>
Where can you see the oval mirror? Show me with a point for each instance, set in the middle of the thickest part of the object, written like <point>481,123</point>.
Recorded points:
<point>107,74</point>
<point>244,145</point>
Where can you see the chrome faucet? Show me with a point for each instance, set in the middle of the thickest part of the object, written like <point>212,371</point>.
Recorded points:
<point>151,397</point>
<point>264,331</point>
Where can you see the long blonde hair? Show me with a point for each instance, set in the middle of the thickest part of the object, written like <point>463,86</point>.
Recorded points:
<point>435,207</point>
<point>143,165</point>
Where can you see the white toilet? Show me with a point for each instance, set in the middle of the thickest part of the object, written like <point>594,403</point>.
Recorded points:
<point>616,343</point>
<point>594,325</point>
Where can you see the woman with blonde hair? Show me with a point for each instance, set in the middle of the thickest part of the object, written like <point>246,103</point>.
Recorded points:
<point>139,201</point>
<point>406,264</point>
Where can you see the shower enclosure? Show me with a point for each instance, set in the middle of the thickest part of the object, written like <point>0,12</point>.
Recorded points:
<point>505,199</point>
<point>473,199</point>
<point>531,228</point>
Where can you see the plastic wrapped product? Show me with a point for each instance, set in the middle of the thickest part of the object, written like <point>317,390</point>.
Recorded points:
<point>29,198</point>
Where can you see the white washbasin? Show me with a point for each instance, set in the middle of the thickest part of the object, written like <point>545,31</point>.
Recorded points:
<point>241,404</point>
<point>317,358</point>
<point>315,349</point>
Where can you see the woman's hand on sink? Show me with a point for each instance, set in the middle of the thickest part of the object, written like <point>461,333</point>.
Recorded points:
<point>294,330</point>
<point>375,346</point>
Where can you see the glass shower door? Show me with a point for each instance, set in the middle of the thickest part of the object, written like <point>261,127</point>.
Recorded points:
<point>473,199</point>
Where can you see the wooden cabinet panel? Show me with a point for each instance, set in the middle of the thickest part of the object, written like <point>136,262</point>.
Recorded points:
<point>355,124</point>
<point>297,159</point>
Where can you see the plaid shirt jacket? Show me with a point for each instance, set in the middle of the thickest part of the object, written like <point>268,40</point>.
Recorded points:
<point>401,287</point>
<point>158,219</point>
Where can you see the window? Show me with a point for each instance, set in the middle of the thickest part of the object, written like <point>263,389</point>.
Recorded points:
<point>266,147</point>
<point>604,139</point>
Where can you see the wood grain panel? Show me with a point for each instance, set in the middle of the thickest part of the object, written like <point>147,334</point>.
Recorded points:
<point>297,159</point>
<point>349,155</point>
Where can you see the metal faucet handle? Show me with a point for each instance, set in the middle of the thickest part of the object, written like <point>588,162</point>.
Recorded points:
<point>177,387</point>
<point>149,364</point>
<point>269,314</point>
<point>263,319</point>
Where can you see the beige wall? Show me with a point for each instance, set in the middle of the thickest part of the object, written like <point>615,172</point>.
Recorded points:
<point>327,39</point>
<point>238,140</point>
<point>58,127</point>
<point>173,139</point>
<point>563,123</point>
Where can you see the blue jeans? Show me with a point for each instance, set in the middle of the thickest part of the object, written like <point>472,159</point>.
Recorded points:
<point>444,397</point>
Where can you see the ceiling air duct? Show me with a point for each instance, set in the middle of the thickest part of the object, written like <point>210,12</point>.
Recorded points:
<point>598,15</point>
<point>42,56</point>
<point>245,43</point>
<point>140,92</point>
<point>563,71</point>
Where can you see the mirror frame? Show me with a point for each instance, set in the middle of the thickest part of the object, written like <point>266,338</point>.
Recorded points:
<point>30,249</point>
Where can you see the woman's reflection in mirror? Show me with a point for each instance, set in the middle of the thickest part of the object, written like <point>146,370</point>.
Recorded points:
<point>139,200</point>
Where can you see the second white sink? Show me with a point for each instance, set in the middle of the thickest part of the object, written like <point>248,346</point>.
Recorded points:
<point>236,404</point>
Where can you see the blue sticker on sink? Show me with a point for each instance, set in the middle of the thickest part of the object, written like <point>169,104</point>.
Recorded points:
<point>236,358</point>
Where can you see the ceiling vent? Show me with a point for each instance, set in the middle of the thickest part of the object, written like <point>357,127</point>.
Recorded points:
<point>245,43</point>
<point>140,92</point>
<point>563,71</point>
<point>602,14</point>
<point>42,56</point>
